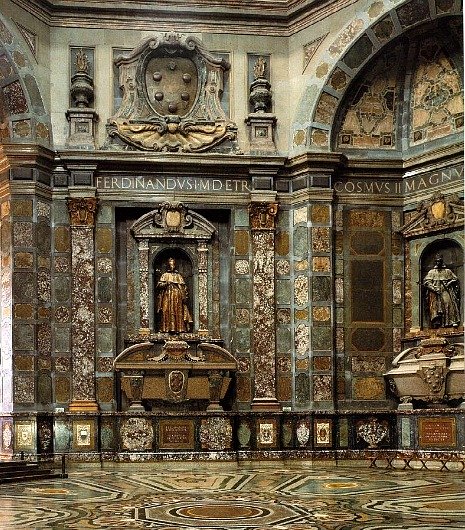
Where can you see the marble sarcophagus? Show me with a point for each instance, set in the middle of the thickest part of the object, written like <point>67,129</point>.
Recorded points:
<point>170,373</point>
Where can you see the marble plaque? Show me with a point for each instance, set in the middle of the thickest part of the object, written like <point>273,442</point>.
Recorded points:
<point>322,433</point>
<point>24,436</point>
<point>83,437</point>
<point>176,434</point>
<point>437,432</point>
<point>267,433</point>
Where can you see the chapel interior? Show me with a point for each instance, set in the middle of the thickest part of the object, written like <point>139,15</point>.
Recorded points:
<point>232,230</point>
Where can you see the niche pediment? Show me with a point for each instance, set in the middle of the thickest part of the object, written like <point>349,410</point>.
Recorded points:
<point>172,219</point>
<point>171,96</point>
<point>435,215</point>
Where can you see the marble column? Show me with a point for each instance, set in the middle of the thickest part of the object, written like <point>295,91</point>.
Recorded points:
<point>82,220</point>
<point>144,286</point>
<point>262,222</point>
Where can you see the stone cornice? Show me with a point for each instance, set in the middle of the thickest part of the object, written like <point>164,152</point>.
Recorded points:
<point>26,155</point>
<point>272,17</point>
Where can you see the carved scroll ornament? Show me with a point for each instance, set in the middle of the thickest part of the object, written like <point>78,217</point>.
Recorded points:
<point>434,215</point>
<point>171,97</point>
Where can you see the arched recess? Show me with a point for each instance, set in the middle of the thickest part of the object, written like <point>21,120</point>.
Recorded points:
<point>23,117</point>
<point>354,47</point>
<point>451,253</point>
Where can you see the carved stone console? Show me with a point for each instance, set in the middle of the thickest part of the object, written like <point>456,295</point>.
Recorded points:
<point>173,372</point>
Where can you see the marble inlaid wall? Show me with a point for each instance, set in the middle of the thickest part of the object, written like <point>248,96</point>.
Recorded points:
<point>6,319</point>
<point>371,117</point>
<point>437,95</point>
<point>106,306</point>
<point>61,304</point>
<point>369,298</point>
<point>309,292</point>
<point>26,328</point>
<point>242,313</point>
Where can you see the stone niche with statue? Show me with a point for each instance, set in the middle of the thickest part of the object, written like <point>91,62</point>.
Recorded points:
<point>176,360</point>
<point>430,371</point>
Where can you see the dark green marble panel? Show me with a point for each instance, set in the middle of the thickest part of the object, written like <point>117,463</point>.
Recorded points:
<point>104,289</point>
<point>283,339</point>
<point>283,292</point>
<point>62,288</point>
<point>62,339</point>
<point>302,389</point>
<point>300,241</point>
<point>23,337</point>
<point>243,339</point>
<point>321,338</point>
<point>44,388</point>
<point>104,340</point>
<point>243,292</point>
<point>321,288</point>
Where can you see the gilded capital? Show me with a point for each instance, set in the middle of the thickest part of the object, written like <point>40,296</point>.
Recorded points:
<point>82,210</point>
<point>263,215</point>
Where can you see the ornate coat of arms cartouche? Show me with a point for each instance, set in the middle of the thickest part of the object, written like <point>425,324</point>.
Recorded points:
<point>171,96</point>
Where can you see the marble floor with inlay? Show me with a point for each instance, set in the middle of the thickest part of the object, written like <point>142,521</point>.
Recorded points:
<point>239,497</point>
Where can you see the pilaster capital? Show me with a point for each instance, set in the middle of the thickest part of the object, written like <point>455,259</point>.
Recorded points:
<point>263,215</point>
<point>82,210</point>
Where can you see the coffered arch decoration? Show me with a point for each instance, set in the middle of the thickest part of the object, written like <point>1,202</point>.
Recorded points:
<point>23,118</point>
<point>171,98</point>
<point>412,85</point>
<point>362,42</point>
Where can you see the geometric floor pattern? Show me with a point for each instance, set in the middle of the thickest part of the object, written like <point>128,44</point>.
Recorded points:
<point>244,497</point>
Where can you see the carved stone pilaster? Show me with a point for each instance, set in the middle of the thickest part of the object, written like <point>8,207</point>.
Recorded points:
<point>82,219</point>
<point>144,286</point>
<point>202,251</point>
<point>262,220</point>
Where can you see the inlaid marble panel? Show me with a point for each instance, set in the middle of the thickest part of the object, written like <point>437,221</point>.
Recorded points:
<point>300,241</point>
<point>263,313</point>
<point>368,388</point>
<point>302,388</point>
<point>302,340</point>
<point>216,434</point>
<point>321,338</point>
<point>301,290</point>
<point>15,98</point>
<point>24,388</point>
<point>322,388</point>
<point>437,102</point>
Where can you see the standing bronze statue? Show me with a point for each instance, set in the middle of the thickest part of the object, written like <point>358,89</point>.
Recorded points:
<point>442,296</point>
<point>171,302</point>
